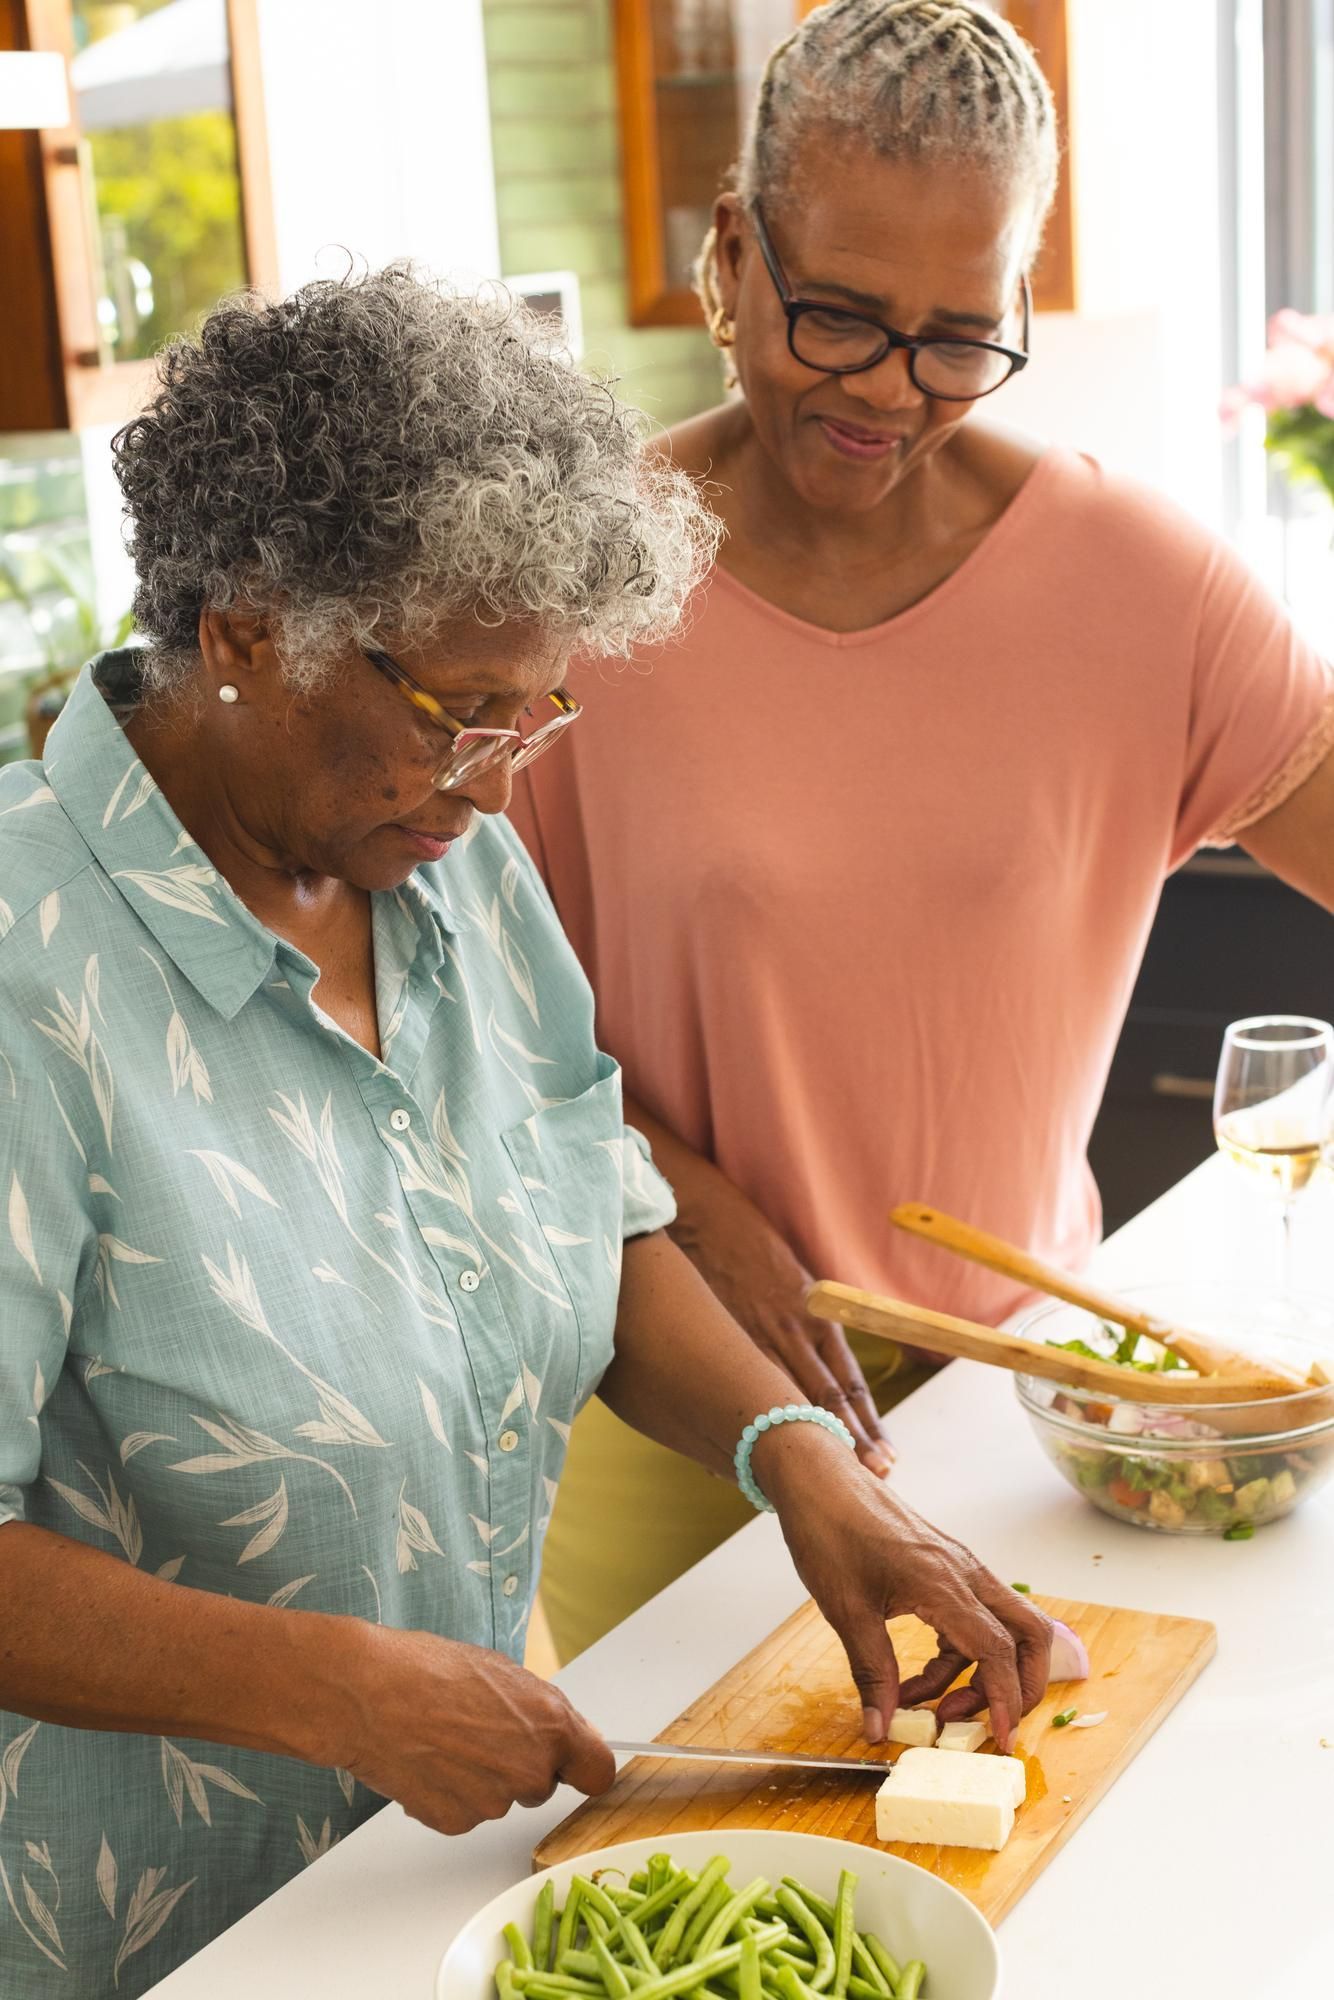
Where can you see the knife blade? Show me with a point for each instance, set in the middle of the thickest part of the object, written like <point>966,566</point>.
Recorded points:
<point>795,1760</point>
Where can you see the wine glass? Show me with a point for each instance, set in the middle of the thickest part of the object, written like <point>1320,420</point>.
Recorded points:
<point>1271,1105</point>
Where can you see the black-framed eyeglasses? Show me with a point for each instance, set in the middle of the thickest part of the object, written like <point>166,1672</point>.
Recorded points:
<point>471,751</point>
<point>836,341</point>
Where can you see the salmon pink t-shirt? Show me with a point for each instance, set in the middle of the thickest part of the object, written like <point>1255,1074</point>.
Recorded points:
<point>863,910</point>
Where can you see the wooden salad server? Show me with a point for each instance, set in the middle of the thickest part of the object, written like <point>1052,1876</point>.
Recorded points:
<point>1211,1357</point>
<point>966,1340</point>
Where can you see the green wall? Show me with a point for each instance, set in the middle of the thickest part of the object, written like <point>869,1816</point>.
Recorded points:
<point>558,191</point>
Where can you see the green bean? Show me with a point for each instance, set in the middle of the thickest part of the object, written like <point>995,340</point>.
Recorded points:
<point>505,1987</point>
<point>791,1987</point>
<point>685,1978</point>
<point>568,1927</point>
<point>664,1897</point>
<point>844,1932</point>
<point>692,1943</point>
<point>535,1985</point>
<point>669,1942</point>
<point>888,1967</point>
<point>815,1904</point>
<point>613,1975</point>
<point>911,1983</point>
<point>598,1906</point>
<point>793,1906</point>
<point>520,1954</point>
<point>734,1908</point>
<point>750,1988</point>
<point>866,1972</point>
<point>543,1917</point>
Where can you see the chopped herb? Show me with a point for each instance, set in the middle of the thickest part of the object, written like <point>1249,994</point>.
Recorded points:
<point>1025,1588</point>
<point>1064,1719</point>
<point>1240,1531</point>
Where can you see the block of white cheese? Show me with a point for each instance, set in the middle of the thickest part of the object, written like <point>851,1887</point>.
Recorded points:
<point>970,1735</point>
<point>913,1725</point>
<point>949,1801</point>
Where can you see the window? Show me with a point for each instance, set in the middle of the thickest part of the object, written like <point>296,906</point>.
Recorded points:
<point>1278,102</point>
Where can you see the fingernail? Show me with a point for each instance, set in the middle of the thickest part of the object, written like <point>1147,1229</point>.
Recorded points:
<point>873,1725</point>
<point>881,1461</point>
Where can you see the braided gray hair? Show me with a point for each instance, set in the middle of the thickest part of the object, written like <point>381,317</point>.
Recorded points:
<point>913,79</point>
<point>376,455</point>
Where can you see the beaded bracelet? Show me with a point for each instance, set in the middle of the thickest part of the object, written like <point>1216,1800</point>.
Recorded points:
<point>781,1413</point>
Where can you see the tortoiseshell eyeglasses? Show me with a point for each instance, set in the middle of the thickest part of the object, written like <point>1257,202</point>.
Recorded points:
<point>472,752</point>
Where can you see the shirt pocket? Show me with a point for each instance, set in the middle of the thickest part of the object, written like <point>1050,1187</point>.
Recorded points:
<point>569,1161</point>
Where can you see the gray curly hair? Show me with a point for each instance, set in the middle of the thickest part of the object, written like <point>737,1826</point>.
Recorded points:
<point>912,80</point>
<point>377,455</point>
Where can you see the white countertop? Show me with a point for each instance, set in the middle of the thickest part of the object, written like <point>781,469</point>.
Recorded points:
<point>1205,1871</point>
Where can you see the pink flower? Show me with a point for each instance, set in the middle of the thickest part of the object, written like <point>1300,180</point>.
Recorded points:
<point>1313,330</point>
<point>1298,368</point>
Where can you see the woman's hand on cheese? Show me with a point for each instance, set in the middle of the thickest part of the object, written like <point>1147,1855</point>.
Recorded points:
<point>458,1734</point>
<point>752,1270</point>
<point>865,1557</point>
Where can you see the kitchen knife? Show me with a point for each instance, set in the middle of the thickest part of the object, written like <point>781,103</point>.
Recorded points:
<point>849,1767</point>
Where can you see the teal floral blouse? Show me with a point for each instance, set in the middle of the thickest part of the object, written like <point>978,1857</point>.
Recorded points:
<point>277,1319</point>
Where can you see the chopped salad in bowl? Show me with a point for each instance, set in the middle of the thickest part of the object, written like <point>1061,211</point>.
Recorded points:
<point>1223,1469</point>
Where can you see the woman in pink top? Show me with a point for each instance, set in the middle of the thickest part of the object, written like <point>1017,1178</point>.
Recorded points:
<point>862,872</point>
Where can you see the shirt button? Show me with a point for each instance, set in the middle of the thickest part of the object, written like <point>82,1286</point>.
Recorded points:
<point>509,1440</point>
<point>510,1585</point>
<point>400,1119</point>
<point>469,1281</point>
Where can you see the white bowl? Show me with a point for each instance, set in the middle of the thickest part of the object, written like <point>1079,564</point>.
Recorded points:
<point>914,1913</point>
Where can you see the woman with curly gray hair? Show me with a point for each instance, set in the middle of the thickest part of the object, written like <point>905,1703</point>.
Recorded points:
<point>323,1221</point>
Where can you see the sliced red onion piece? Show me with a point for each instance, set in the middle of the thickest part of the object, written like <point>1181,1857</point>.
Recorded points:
<point>1069,1655</point>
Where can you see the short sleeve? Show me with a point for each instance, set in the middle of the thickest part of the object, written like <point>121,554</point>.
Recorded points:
<point>46,1241</point>
<point>1262,708</point>
<point>649,1201</point>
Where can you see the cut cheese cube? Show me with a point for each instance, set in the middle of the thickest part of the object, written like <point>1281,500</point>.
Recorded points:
<point>970,1735</point>
<point>913,1725</point>
<point>950,1801</point>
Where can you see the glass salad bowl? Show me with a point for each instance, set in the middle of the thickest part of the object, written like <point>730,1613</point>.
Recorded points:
<point>1203,1469</point>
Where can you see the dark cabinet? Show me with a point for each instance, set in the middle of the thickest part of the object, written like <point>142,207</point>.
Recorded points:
<point>1229,940</point>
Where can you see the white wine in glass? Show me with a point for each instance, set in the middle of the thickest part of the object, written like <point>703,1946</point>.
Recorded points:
<point>1271,1104</point>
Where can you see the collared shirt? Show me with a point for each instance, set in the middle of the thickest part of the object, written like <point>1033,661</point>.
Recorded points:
<point>277,1319</point>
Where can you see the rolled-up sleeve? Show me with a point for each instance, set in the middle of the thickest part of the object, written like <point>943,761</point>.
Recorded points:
<point>47,1242</point>
<point>649,1201</point>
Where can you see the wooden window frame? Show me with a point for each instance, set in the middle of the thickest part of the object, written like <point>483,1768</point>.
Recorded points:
<point>653,301</point>
<point>51,373</point>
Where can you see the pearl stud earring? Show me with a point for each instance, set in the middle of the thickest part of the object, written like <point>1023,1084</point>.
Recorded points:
<point>228,693</point>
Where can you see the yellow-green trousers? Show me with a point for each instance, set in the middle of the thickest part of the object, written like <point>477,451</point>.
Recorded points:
<point>631,1516</point>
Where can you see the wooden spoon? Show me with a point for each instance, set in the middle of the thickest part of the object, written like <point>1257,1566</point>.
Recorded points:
<point>965,1339</point>
<point>1211,1357</point>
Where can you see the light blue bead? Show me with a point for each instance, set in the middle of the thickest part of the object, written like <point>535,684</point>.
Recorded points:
<point>749,1435</point>
<point>776,1414</point>
<point>792,1413</point>
<point>763,1423</point>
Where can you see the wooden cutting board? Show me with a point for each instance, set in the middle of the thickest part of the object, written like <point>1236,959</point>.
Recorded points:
<point>794,1693</point>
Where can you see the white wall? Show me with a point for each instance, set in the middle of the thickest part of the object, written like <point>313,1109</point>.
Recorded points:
<point>379,134</point>
<point>1134,375</point>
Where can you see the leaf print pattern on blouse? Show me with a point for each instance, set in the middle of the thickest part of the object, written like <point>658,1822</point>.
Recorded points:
<point>184,1062</point>
<point>184,1778</point>
<point>71,1029</point>
<point>414,1536</point>
<point>149,1908</point>
<point>20,1227</point>
<point>111,1513</point>
<point>269,1516</point>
